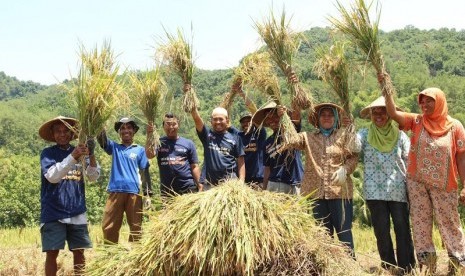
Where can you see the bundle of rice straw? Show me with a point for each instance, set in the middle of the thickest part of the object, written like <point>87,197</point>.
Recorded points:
<point>332,67</point>
<point>364,34</point>
<point>256,71</point>
<point>228,99</point>
<point>283,44</point>
<point>230,230</point>
<point>178,52</point>
<point>96,90</point>
<point>149,89</point>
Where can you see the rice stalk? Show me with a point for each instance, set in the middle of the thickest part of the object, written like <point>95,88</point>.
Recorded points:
<point>256,71</point>
<point>228,98</point>
<point>178,53</point>
<point>283,44</point>
<point>230,230</point>
<point>356,24</point>
<point>95,90</point>
<point>149,89</point>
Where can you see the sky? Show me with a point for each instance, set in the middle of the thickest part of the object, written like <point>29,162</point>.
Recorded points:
<point>39,39</point>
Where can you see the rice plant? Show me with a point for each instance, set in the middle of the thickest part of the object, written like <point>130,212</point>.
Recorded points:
<point>148,91</point>
<point>283,44</point>
<point>178,53</point>
<point>96,90</point>
<point>356,24</point>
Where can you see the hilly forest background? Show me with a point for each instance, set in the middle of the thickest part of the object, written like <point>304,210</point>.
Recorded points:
<point>416,59</point>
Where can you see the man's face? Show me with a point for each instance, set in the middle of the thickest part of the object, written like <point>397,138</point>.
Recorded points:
<point>61,134</point>
<point>245,123</point>
<point>126,132</point>
<point>171,127</point>
<point>326,119</point>
<point>219,123</point>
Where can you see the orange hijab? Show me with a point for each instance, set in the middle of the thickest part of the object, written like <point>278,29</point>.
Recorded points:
<point>438,123</point>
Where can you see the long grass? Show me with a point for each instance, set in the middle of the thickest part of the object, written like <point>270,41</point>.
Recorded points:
<point>96,90</point>
<point>364,34</point>
<point>283,44</point>
<point>177,51</point>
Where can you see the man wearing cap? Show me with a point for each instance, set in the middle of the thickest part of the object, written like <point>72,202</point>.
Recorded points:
<point>63,203</point>
<point>385,151</point>
<point>253,140</point>
<point>129,162</point>
<point>282,170</point>
<point>223,151</point>
<point>177,160</point>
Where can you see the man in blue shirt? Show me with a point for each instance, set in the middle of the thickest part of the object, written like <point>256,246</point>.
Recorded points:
<point>283,171</point>
<point>129,164</point>
<point>63,202</point>
<point>223,151</point>
<point>253,140</point>
<point>177,160</point>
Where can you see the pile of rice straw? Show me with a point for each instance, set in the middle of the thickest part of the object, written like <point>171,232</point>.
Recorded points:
<point>96,90</point>
<point>149,88</point>
<point>364,34</point>
<point>283,45</point>
<point>230,230</point>
<point>178,53</point>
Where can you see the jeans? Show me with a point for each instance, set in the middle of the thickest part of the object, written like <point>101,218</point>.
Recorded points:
<point>381,214</point>
<point>336,215</point>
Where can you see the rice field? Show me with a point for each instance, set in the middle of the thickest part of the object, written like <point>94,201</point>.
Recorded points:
<point>20,251</point>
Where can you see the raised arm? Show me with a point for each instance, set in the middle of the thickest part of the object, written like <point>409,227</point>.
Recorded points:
<point>149,143</point>
<point>395,114</point>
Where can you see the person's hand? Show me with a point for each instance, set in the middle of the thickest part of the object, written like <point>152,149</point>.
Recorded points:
<point>79,151</point>
<point>150,128</point>
<point>237,88</point>
<point>346,121</point>
<point>293,78</point>
<point>281,110</point>
<point>186,87</point>
<point>339,177</point>
<point>462,196</point>
<point>90,143</point>
<point>381,78</point>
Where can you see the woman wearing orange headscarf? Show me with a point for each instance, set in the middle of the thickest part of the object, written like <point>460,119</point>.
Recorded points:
<point>436,161</point>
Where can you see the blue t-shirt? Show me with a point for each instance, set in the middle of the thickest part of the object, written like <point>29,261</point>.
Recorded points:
<point>125,165</point>
<point>66,198</point>
<point>174,162</point>
<point>254,146</point>
<point>220,152</point>
<point>285,167</point>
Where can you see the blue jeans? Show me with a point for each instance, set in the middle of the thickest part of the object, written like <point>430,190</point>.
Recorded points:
<point>336,215</point>
<point>381,214</point>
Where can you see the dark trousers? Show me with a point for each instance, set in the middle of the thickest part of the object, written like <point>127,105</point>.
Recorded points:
<point>336,215</point>
<point>381,212</point>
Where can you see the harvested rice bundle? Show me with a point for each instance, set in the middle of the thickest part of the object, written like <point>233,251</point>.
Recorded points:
<point>96,90</point>
<point>230,230</point>
<point>256,71</point>
<point>332,66</point>
<point>228,99</point>
<point>283,44</point>
<point>178,52</point>
<point>149,89</point>
<point>364,34</point>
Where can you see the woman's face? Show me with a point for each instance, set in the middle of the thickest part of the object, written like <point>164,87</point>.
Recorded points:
<point>379,116</point>
<point>427,104</point>
<point>326,119</point>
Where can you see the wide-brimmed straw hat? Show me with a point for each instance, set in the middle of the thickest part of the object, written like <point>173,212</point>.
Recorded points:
<point>379,102</point>
<point>45,130</point>
<point>313,117</point>
<point>126,120</point>
<point>259,116</point>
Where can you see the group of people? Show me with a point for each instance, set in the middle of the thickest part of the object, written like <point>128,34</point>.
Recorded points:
<point>403,178</point>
